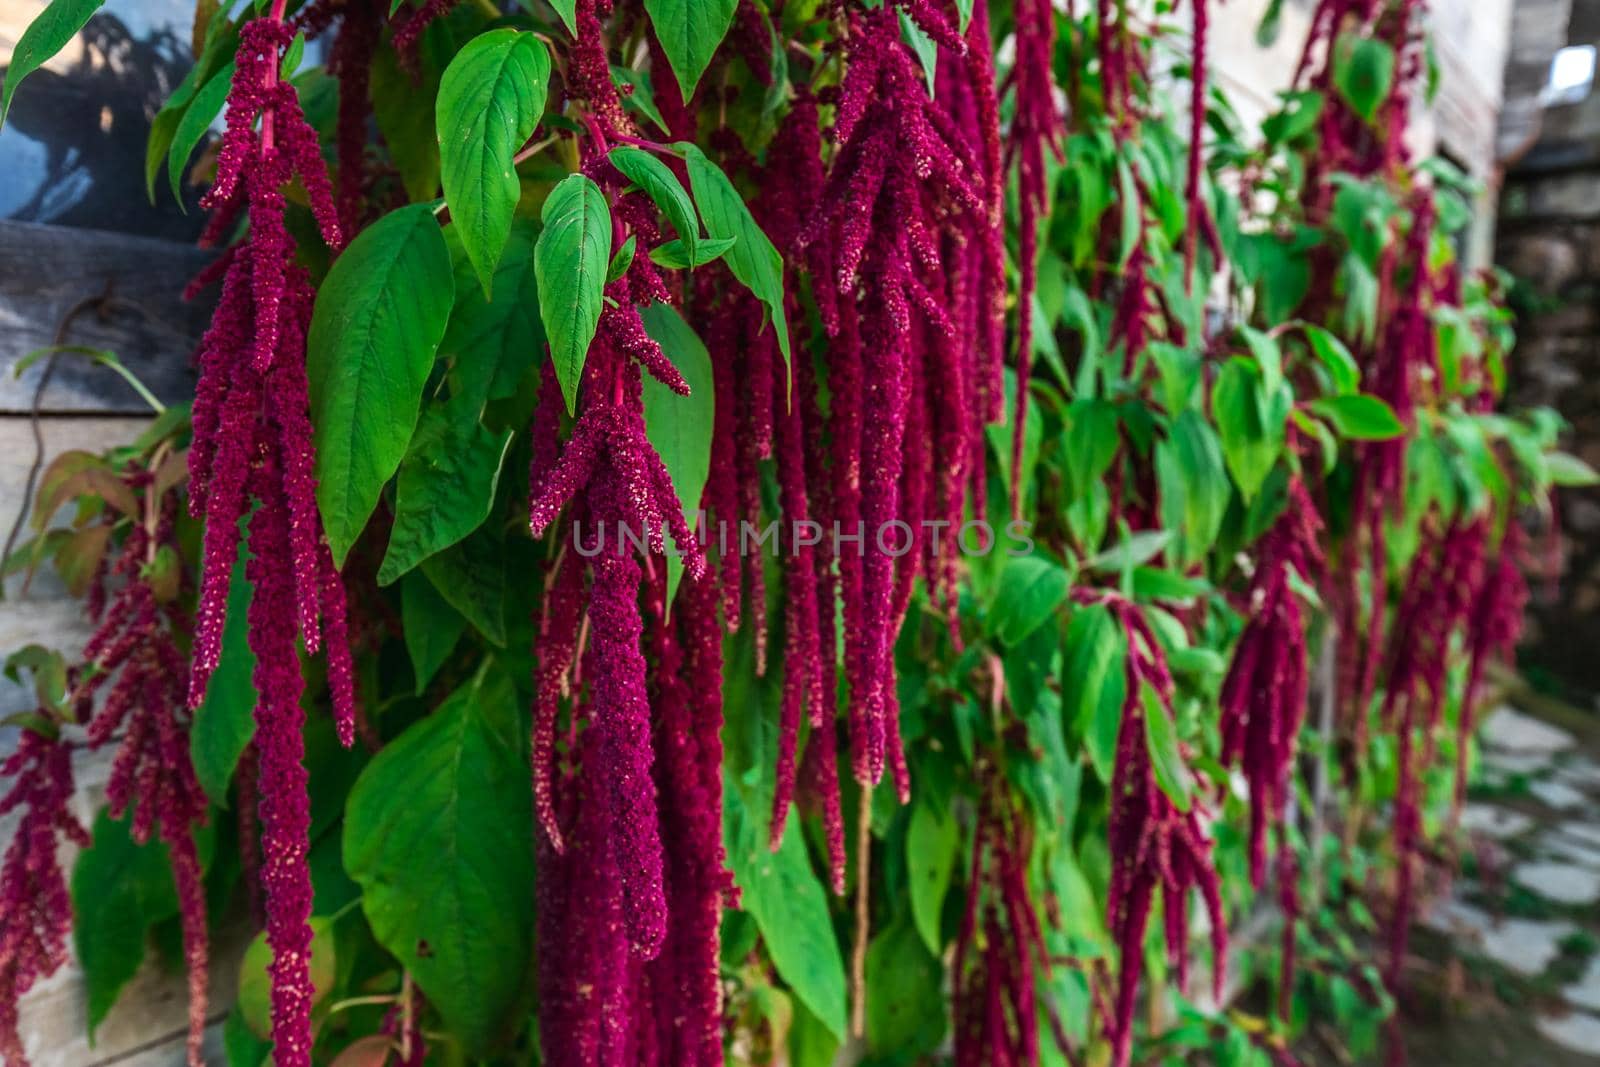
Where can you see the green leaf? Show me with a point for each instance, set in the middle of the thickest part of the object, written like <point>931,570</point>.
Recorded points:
<point>1092,682</point>
<point>194,124</point>
<point>255,980</point>
<point>494,342</point>
<point>689,32</point>
<point>120,889</point>
<point>1269,359</point>
<point>471,577</point>
<point>674,256</point>
<point>240,1046</point>
<point>220,43</point>
<point>1359,417</point>
<point>905,1011</point>
<point>570,262</point>
<point>752,259</point>
<point>1029,591</point>
<point>658,182</point>
<point>784,896</point>
<point>1249,422</point>
<point>622,260</point>
<point>568,10</point>
<point>926,49</point>
<point>642,95</point>
<point>224,722</point>
<point>931,842</point>
<point>1132,551</point>
<point>451,791</point>
<point>378,321</point>
<point>1363,72</point>
<point>446,486</point>
<point>1171,775</point>
<point>490,99</point>
<point>1194,485</point>
<point>679,427</point>
<point>810,1043</point>
<point>431,626</point>
<point>403,106</point>
<point>1334,357</point>
<point>46,35</point>
<point>1567,469</point>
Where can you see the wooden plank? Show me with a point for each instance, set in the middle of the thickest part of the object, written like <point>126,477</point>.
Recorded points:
<point>46,270</point>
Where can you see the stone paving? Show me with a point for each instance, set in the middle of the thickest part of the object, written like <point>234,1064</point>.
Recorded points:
<point>1534,829</point>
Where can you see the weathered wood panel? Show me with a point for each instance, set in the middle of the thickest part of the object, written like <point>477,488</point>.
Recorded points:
<point>45,271</point>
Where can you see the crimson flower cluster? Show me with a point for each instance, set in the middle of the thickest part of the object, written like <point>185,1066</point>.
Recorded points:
<point>251,462</point>
<point>1153,844</point>
<point>35,912</point>
<point>134,659</point>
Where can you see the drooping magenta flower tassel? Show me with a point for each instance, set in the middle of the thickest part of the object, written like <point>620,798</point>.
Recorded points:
<point>993,979</point>
<point>1036,128</point>
<point>1263,697</point>
<point>35,911</point>
<point>282,779</point>
<point>1153,844</point>
<point>134,658</point>
<point>1492,634</point>
<point>253,456</point>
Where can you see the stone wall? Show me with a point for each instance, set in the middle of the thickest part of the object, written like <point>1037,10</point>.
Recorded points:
<point>1549,238</point>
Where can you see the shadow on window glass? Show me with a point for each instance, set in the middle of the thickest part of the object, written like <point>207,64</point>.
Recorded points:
<point>73,148</point>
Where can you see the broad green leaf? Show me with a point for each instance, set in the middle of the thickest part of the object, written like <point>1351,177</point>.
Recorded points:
<point>1334,357</point>
<point>931,843</point>
<point>1268,357</point>
<point>1359,417</point>
<point>568,10</point>
<point>905,1011</point>
<point>1249,423</point>
<point>120,889</point>
<point>1194,485</point>
<point>1363,72</point>
<point>1132,551</point>
<point>1165,760</point>
<point>1029,591</point>
<point>224,722</point>
<point>570,262</point>
<point>925,48</point>
<point>689,32</point>
<point>446,486</point>
<point>1092,440</point>
<point>493,343</point>
<point>810,1043</point>
<point>1092,683</point>
<point>46,35</point>
<point>240,1046</point>
<point>221,40</point>
<point>752,259</point>
<point>658,182</point>
<point>255,980</point>
<point>622,260</point>
<point>784,896</point>
<point>431,627</point>
<point>192,127</point>
<point>403,106</point>
<point>490,99</point>
<point>439,835</point>
<point>471,577</point>
<point>674,256</point>
<point>641,96</point>
<point>1567,469</point>
<point>378,321</point>
<point>679,427</point>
